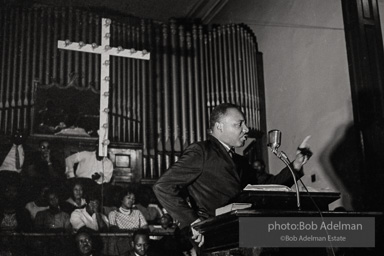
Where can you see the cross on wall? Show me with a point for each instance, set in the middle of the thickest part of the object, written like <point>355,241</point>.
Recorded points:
<point>106,51</point>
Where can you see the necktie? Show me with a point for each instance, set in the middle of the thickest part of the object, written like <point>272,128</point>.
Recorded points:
<point>231,152</point>
<point>17,158</point>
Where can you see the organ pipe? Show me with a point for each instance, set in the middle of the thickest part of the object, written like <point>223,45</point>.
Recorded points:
<point>163,104</point>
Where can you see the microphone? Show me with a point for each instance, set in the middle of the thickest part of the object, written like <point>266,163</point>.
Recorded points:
<point>274,142</point>
<point>274,139</point>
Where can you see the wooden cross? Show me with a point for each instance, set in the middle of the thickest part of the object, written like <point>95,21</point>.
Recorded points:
<point>105,50</point>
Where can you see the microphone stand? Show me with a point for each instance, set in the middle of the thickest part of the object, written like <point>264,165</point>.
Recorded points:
<point>284,158</point>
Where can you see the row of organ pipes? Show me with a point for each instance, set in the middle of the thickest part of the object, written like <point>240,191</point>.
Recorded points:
<point>162,104</point>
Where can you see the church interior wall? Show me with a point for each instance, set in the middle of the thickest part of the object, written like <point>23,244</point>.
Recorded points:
<point>306,78</point>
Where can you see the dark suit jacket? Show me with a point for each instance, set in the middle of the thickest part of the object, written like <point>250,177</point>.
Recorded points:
<point>150,252</point>
<point>6,147</point>
<point>211,178</point>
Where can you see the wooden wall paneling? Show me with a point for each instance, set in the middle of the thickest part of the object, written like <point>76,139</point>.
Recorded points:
<point>366,64</point>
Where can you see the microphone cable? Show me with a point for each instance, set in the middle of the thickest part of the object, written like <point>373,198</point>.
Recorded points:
<point>310,197</point>
<point>284,158</point>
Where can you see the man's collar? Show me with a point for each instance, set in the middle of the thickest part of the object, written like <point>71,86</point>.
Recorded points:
<point>227,148</point>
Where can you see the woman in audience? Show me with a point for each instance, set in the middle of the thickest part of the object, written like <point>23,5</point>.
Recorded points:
<point>127,217</point>
<point>52,219</point>
<point>76,200</point>
<point>90,216</point>
<point>40,204</point>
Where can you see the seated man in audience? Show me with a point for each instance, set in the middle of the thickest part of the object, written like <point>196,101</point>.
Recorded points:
<point>52,219</point>
<point>90,216</point>
<point>41,169</point>
<point>85,243</point>
<point>12,158</point>
<point>44,166</point>
<point>140,244</point>
<point>40,204</point>
<point>90,165</point>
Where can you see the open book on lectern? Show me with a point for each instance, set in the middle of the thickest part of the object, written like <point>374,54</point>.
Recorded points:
<point>278,197</point>
<point>249,187</point>
<point>267,187</point>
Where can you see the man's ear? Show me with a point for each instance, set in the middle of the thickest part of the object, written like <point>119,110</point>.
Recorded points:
<point>219,126</point>
<point>132,244</point>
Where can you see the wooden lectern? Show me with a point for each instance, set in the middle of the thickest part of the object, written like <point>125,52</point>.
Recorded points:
<point>222,232</point>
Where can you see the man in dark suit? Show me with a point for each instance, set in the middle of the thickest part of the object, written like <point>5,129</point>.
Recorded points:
<point>13,159</point>
<point>86,244</point>
<point>212,174</point>
<point>141,244</point>
<point>44,166</point>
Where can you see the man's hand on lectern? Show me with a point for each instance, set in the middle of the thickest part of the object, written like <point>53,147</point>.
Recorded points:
<point>196,235</point>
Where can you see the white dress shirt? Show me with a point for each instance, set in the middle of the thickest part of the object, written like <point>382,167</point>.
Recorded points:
<point>9,163</point>
<point>89,165</point>
<point>81,218</point>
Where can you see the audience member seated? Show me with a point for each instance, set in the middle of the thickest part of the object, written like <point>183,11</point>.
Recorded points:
<point>44,167</point>
<point>258,165</point>
<point>76,200</point>
<point>49,118</point>
<point>90,165</point>
<point>141,244</point>
<point>151,212</point>
<point>12,158</point>
<point>71,124</point>
<point>52,219</point>
<point>41,169</point>
<point>40,204</point>
<point>111,201</point>
<point>85,244</point>
<point>127,217</point>
<point>90,216</point>
<point>13,216</point>
<point>173,243</point>
<point>166,223</point>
